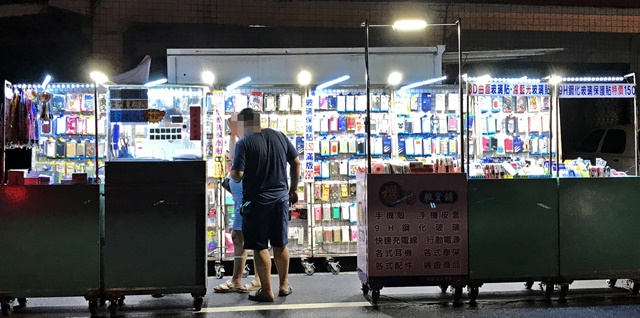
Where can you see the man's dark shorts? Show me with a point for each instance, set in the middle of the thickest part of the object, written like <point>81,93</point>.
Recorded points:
<point>264,224</point>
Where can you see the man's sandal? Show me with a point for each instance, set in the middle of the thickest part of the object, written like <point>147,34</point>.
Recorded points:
<point>250,287</point>
<point>227,287</point>
<point>259,297</point>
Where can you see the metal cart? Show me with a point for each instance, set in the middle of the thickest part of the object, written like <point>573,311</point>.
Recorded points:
<point>154,230</point>
<point>412,231</point>
<point>52,249</point>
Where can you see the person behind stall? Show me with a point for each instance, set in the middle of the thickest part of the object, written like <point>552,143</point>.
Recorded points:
<point>239,253</point>
<point>260,161</point>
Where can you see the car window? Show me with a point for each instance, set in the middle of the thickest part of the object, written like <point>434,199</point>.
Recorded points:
<point>591,142</point>
<point>614,142</point>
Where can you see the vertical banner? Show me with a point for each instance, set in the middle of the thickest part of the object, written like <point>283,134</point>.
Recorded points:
<point>307,173</point>
<point>195,122</point>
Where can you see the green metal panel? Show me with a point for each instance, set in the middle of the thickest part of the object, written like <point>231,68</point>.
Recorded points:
<point>50,240</point>
<point>599,222</point>
<point>155,233</point>
<point>513,229</point>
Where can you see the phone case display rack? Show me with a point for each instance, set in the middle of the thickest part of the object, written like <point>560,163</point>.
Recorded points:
<point>511,128</point>
<point>58,123</point>
<point>327,227</point>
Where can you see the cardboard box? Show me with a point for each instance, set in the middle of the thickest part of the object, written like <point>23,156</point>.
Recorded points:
<point>79,178</point>
<point>16,176</point>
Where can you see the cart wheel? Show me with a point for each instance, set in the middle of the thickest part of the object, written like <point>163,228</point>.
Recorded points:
<point>6,310</point>
<point>457,295</point>
<point>335,268</point>
<point>309,268</point>
<point>528,285</point>
<point>197,303</point>
<point>113,308</point>
<point>103,301</point>
<point>245,272</point>
<point>93,307</point>
<point>548,291</point>
<point>636,288</point>
<point>444,288</point>
<point>564,289</point>
<point>22,302</point>
<point>121,301</point>
<point>375,296</point>
<point>365,289</point>
<point>612,282</point>
<point>473,294</point>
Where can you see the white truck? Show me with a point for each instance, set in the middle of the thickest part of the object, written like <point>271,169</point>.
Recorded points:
<point>615,144</point>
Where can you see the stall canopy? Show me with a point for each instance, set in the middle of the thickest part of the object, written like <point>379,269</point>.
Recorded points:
<point>281,66</point>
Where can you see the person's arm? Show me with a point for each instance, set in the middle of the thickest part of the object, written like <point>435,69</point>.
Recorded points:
<point>294,173</point>
<point>237,170</point>
<point>294,170</point>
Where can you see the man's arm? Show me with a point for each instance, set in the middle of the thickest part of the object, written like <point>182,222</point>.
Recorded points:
<point>237,171</point>
<point>294,174</point>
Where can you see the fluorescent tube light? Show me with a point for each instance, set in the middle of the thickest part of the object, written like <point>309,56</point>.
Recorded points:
<point>332,82</point>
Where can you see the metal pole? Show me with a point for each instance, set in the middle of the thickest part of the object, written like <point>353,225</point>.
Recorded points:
<point>635,124</point>
<point>368,89</point>
<point>462,150</point>
<point>95,118</point>
<point>552,111</point>
<point>466,125</point>
<point>557,134</point>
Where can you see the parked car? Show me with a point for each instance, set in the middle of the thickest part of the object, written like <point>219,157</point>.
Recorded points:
<point>615,144</point>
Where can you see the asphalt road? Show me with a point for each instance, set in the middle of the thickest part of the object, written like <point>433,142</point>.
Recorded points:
<point>326,295</point>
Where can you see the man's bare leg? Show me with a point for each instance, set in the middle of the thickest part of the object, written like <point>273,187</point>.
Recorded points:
<point>281,258</point>
<point>262,260</point>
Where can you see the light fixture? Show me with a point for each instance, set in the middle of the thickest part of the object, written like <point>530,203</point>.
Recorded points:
<point>47,80</point>
<point>394,78</point>
<point>304,78</point>
<point>554,80</point>
<point>156,82</point>
<point>208,78</point>
<point>409,25</point>
<point>98,77</point>
<point>332,82</point>
<point>427,82</point>
<point>239,83</point>
<point>589,79</point>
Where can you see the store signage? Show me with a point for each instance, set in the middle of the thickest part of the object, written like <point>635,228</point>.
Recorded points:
<point>416,230</point>
<point>153,115</point>
<point>195,124</point>
<point>129,104</point>
<point>308,171</point>
<point>597,90</point>
<point>512,89</point>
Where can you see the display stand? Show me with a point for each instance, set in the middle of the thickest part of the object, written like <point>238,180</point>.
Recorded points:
<point>598,218</point>
<point>60,224</point>
<point>155,202</point>
<point>412,231</point>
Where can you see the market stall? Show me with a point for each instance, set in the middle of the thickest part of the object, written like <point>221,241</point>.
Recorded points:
<point>324,116</point>
<point>412,231</point>
<point>155,202</point>
<point>597,213</point>
<point>52,227</point>
<point>512,197</point>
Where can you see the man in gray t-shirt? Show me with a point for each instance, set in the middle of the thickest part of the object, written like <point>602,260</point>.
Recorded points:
<point>260,160</point>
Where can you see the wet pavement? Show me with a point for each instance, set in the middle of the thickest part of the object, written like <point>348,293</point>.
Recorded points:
<point>326,295</point>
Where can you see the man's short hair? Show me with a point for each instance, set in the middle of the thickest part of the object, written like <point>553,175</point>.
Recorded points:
<point>246,114</point>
